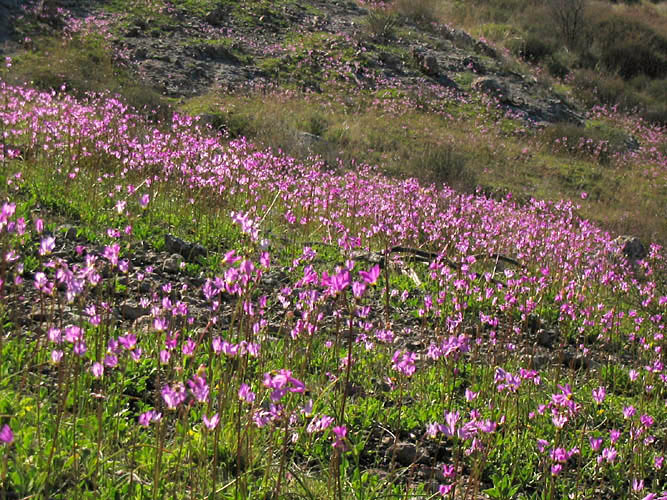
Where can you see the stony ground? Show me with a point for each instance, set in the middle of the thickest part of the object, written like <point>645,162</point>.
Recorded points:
<point>180,52</point>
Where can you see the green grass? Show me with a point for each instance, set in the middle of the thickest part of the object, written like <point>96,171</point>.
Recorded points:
<point>467,147</point>
<point>102,452</point>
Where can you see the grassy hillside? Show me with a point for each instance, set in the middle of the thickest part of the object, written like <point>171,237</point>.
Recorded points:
<point>349,83</point>
<point>188,313</point>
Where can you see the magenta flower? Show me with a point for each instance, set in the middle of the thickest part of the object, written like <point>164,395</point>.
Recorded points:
<point>542,445</point>
<point>341,433</point>
<point>339,282</point>
<point>451,418</point>
<point>281,383</point>
<point>211,423</point>
<point>97,369</point>
<point>189,347</point>
<point>404,362</point>
<point>199,388</point>
<point>448,471</point>
<point>6,434</point>
<point>319,424</point>
<point>128,341</point>
<point>47,245</point>
<point>358,289</point>
<point>216,344</point>
<point>245,394</point>
<point>559,420</point>
<point>599,394</point>
<point>647,420</point>
<point>146,418</point>
<point>609,454</point>
<point>80,348</point>
<point>445,489</point>
<point>110,360</point>
<point>370,277</point>
<point>595,443</point>
<point>165,356</point>
<point>173,397</point>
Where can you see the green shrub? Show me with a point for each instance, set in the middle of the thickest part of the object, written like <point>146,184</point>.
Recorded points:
<point>532,48</point>
<point>422,12</point>
<point>656,114</point>
<point>381,25</point>
<point>594,88</point>
<point>632,59</point>
<point>598,140</point>
<point>556,68</point>
<point>443,164</point>
<point>83,65</point>
<point>630,47</point>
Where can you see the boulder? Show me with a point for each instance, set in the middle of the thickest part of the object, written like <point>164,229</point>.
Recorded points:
<point>427,61</point>
<point>406,453</point>
<point>546,338</point>
<point>493,87</point>
<point>132,310</point>
<point>217,16</point>
<point>632,248</point>
<point>187,250</point>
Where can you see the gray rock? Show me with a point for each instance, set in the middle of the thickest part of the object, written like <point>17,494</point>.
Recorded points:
<point>631,143</point>
<point>372,257</point>
<point>546,338</point>
<point>390,60</point>
<point>533,323</point>
<point>173,263</point>
<point>540,361</point>
<point>430,65</point>
<point>575,360</point>
<point>493,87</point>
<point>427,61</point>
<point>632,247</point>
<point>308,141</point>
<point>132,311</point>
<point>406,453</point>
<point>69,232</point>
<point>185,249</point>
<point>217,16</point>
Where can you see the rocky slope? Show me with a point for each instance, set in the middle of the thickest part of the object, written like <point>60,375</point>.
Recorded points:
<point>189,48</point>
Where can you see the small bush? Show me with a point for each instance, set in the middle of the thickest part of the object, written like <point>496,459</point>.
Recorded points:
<point>84,65</point>
<point>381,25</point>
<point>594,88</point>
<point>632,59</point>
<point>442,164</point>
<point>630,47</point>
<point>599,142</point>
<point>556,68</point>
<point>422,12</point>
<point>532,48</point>
<point>316,123</point>
<point>568,17</point>
<point>656,114</point>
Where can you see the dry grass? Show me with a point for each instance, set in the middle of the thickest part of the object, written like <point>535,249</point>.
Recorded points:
<point>466,152</point>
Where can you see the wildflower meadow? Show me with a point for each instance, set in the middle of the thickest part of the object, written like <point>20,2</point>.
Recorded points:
<point>185,316</point>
